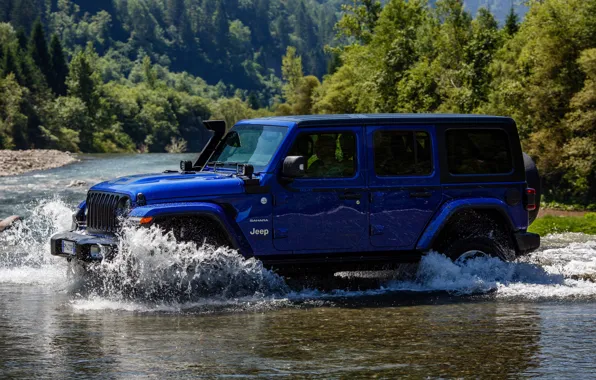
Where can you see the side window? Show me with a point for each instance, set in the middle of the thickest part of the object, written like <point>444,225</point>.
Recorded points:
<point>402,153</point>
<point>329,155</point>
<point>478,151</point>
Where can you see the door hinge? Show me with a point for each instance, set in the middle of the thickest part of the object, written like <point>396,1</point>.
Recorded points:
<point>376,229</point>
<point>280,233</point>
<point>280,200</point>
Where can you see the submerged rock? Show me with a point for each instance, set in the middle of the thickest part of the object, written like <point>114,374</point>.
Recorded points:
<point>6,223</point>
<point>76,183</point>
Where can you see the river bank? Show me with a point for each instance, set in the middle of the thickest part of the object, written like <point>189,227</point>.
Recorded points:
<point>14,162</point>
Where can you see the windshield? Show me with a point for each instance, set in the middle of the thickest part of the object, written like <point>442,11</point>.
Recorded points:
<point>249,144</point>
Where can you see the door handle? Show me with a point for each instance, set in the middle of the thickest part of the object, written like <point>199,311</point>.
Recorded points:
<point>421,194</point>
<point>350,196</point>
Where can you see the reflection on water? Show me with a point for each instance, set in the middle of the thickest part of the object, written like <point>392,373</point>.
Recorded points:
<point>451,339</point>
<point>205,312</point>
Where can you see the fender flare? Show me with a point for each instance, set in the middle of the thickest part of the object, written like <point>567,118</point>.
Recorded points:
<point>450,208</point>
<point>205,209</point>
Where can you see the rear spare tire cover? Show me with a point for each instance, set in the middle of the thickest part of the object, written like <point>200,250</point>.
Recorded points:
<point>533,180</point>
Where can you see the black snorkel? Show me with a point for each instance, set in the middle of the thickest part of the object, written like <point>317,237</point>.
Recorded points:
<point>218,127</point>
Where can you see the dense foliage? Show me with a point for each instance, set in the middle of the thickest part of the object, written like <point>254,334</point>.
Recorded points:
<point>126,75</point>
<point>409,57</point>
<point>238,41</point>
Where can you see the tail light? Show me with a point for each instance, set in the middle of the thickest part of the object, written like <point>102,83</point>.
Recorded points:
<point>530,200</point>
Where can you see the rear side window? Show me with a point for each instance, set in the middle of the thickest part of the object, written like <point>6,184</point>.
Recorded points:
<point>474,151</point>
<point>402,153</point>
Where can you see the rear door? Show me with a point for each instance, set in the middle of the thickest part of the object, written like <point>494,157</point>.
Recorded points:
<point>405,189</point>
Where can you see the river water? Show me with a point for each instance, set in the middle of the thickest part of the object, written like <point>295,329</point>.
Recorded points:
<point>141,317</point>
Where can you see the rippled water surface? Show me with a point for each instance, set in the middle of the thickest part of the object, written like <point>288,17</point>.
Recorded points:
<point>168,310</point>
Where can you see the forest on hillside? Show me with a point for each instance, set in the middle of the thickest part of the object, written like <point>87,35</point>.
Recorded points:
<point>140,75</point>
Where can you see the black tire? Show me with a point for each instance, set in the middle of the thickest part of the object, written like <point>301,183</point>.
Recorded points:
<point>483,246</point>
<point>197,230</point>
<point>533,181</point>
<point>473,230</point>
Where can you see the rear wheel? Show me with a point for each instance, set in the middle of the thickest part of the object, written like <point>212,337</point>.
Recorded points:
<point>473,234</point>
<point>463,250</point>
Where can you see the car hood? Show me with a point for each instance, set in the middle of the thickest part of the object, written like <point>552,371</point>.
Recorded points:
<point>156,187</point>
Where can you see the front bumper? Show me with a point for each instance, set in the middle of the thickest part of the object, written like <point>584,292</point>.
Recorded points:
<point>527,242</point>
<point>83,244</point>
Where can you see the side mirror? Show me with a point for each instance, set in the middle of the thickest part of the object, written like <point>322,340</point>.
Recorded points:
<point>294,167</point>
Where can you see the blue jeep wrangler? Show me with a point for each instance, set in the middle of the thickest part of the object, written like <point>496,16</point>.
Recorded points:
<point>332,192</point>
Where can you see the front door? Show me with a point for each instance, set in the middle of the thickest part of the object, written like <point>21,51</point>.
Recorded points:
<point>327,210</point>
<point>404,183</point>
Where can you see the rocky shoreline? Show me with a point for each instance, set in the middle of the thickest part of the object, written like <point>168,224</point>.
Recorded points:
<point>14,162</point>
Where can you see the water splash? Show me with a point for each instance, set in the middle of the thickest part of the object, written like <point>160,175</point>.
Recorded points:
<point>24,248</point>
<point>154,272</point>
<point>152,266</point>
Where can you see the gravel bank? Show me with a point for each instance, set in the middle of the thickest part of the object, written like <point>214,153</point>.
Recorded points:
<point>13,162</point>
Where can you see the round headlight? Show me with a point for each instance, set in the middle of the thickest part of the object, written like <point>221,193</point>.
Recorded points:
<point>124,207</point>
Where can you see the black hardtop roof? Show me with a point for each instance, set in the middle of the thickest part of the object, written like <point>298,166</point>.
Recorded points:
<point>358,119</point>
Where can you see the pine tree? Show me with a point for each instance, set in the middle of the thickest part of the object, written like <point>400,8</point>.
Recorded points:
<point>31,75</point>
<point>22,39</point>
<point>221,27</point>
<point>282,32</point>
<point>23,12</point>
<point>253,101</point>
<point>38,49</point>
<point>10,65</point>
<point>512,22</point>
<point>175,10</point>
<point>260,25</point>
<point>83,83</point>
<point>149,71</point>
<point>59,68</point>
<point>5,10</point>
<point>304,28</point>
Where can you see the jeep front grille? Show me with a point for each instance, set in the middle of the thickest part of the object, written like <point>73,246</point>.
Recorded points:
<point>102,214</point>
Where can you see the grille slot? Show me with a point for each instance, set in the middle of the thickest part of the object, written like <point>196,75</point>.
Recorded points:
<point>102,215</point>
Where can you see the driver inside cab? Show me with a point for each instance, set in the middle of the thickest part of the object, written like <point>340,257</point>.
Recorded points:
<point>326,164</point>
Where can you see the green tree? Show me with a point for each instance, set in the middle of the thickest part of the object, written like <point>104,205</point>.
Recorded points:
<point>303,98</point>
<point>10,65</point>
<point>23,12</point>
<point>149,72</point>
<point>221,28</point>
<point>253,101</point>
<point>59,67</point>
<point>13,123</point>
<point>291,73</point>
<point>38,49</point>
<point>22,39</point>
<point>512,22</point>
<point>175,11</point>
<point>535,76</point>
<point>84,83</point>
<point>359,20</point>
<point>579,162</point>
<point>66,117</point>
